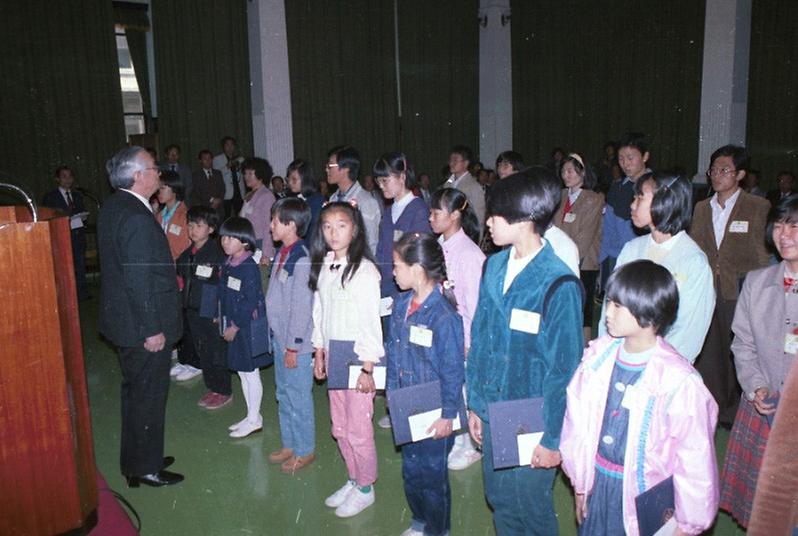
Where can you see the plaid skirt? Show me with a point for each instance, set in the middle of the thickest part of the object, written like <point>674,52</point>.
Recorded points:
<point>744,454</point>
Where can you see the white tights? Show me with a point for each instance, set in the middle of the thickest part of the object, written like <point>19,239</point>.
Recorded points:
<point>253,393</point>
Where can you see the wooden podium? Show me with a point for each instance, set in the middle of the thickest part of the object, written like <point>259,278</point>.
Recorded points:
<point>47,470</point>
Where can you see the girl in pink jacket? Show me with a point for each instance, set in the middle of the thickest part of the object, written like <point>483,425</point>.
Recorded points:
<point>639,413</point>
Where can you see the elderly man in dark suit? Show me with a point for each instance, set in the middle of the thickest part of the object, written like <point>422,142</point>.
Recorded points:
<point>140,312</point>
<point>65,198</point>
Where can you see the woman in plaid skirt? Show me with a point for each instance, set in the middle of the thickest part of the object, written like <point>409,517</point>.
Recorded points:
<point>765,342</point>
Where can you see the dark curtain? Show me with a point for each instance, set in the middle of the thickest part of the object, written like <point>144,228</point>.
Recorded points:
<point>133,18</point>
<point>439,55</point>
<point>585,72</point>
<point>772,131</point>
<point>202,75</point>
<point>61,102</point>
<point>343,83</point>
<point>341,60</point>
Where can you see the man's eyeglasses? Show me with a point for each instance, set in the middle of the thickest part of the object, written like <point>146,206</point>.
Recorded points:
<point>717,172</point>
<point>328,167</point>
<point>156,169</point>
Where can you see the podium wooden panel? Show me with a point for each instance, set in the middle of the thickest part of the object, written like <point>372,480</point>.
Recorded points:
<point>47,471</point>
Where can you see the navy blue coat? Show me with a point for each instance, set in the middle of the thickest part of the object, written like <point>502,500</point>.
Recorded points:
<point>414,219</point>
<point>240,307</point>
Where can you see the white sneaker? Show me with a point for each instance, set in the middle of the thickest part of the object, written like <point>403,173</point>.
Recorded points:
<point>463,458</point>
<point>176,369</point>
<point>412,532</point>
<point>236,425</point>
<point>339,497</point>
<point>356,502</point>
<point>189,373</point>
<point>384,422</point>
<point>246,428</point>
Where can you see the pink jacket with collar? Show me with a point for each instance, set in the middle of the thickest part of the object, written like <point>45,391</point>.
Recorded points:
<point>672,418</point>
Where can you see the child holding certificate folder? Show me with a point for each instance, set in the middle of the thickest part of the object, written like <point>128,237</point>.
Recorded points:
<point>425,344</point>
<point>638,415</point>
<point>526,340</point>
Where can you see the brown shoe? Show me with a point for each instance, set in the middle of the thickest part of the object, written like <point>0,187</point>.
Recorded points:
<point>295,463</point>
<point>281,455</point>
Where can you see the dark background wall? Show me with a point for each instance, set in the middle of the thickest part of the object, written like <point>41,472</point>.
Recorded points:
<point>202,75</point>
<point>582,74</point>
<point>772,133</point>
<point>585,72</point>
<point>343,78</point>
<point>60,99</point>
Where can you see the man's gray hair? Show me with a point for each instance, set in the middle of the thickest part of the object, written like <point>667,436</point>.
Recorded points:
<point>123,165</point>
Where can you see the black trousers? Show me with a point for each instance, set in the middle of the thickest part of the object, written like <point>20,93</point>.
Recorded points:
<point>716,362</point>
<point>211,350</point>
<point>79,261</point>
<point>145,386</point>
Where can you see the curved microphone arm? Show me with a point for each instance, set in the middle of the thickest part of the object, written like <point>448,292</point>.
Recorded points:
<point>90,195</point>
<point>28,199</point>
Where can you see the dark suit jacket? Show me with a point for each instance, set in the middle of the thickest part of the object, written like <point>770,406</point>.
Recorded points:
<point>774,196</point>
<point>203,189</point>
<point>54,199</point>
<point>739,252</point>
<point>139,296</point>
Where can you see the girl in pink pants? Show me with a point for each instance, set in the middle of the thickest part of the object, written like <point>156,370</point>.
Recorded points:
<point>346,308</point>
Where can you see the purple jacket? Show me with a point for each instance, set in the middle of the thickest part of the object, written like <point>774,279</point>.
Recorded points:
<point>672,418</point>
<point>258,210</point>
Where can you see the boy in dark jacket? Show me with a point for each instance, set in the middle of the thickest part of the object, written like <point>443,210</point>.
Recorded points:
<point>197,269</point>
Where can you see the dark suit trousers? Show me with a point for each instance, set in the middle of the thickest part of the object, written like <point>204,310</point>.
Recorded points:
<point>716,363</point>
<point>145,385</point>
<point>79,260</point>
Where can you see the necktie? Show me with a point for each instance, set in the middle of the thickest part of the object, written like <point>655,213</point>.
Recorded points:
<point>69,200</point>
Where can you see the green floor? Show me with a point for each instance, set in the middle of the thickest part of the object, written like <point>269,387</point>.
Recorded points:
<point>231,489</point>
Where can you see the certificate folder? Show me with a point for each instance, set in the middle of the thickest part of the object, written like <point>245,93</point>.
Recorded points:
<point>414,407</point>
<point>341,358</point>
<point>515,425</point>
<point>655,507</point>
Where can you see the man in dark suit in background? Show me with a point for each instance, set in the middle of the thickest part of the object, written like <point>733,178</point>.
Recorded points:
<point>786,187</point>
<point>140,312</point>
<point>207,185</point>
<point>68,200</point>
<point>172,163</point>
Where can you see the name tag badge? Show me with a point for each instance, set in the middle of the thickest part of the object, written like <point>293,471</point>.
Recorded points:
<point>526,321</point>
<point>282,277</point>
<point>234,283</point>
<point>386,306</point>
<point>629,397</point>
<point>175,229</point>
<point>257,256</point>
<point>790,343</point>
<point>569,218</point>
<point>397,234</point>
<point>421,336</point>
<point>738,227</point>
<point>203,270</point>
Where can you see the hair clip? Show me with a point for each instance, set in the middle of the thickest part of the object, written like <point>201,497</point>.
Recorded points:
<point>447,284</point>
<point>325,203</point>
<point>465,205</point>
<point>353,203</point>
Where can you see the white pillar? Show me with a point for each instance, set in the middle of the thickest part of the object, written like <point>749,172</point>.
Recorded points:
<point>495,80</point>
<point>724,82</point>
<point>272,131</point>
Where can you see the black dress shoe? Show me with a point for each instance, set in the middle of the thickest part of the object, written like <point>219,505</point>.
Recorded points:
<point>161,478</point>
<point>167,461</point>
